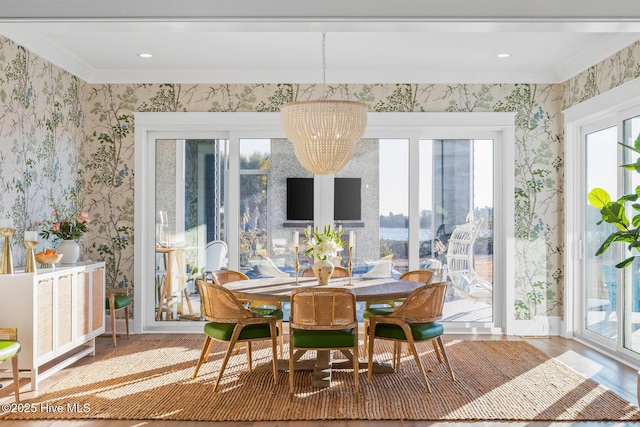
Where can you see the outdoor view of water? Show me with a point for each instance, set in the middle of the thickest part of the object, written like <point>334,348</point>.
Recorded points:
<point>402,234</point>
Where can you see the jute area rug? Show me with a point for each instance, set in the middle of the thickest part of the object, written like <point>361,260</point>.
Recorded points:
<point>495,380</point>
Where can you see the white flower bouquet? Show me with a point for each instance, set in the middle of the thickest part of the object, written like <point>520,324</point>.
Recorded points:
<point>324,244</point>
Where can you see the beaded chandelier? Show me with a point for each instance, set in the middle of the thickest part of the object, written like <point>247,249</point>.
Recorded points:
<point>323,132</point>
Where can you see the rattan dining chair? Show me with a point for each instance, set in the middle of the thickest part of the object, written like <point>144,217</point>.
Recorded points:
<point>323,319</point>
<point>382,308</point>
<point>414,321</point>
<point>231,322</point>
<point>337,272</point>
<point>9,349</point>
<point>115,301</point>
<point>268,308</point>
<point>220,277</point>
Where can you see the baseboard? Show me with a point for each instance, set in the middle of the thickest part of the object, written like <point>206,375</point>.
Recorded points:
<point>121,326</point>
<point>538,326</point>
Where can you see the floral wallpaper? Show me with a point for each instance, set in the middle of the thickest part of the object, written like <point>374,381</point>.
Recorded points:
<point>59,134</point>
<point>41,139</point>
<point>619,68</point>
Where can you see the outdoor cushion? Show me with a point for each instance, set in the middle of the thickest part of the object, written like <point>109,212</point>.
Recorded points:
<point>303,338</point>
<point>8,349</point>
<point>120,301</point>
<point>420,331</point>
<point>223,331</point>
<point>382,268</point>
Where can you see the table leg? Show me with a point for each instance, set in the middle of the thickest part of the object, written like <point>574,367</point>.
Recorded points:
<point>164,300</point>
<point>186,296</point>
<point>322,369</point>
<point>347,363</point>
<point>322,365</point>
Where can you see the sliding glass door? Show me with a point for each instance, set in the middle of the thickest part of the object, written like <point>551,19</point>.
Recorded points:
<point>457,190</point>
<point>189,216</point>
<point>609,297</point>
<point>223,185</point>
<point>631,299</point>
<point>599,301</point>
<point>453,181</point>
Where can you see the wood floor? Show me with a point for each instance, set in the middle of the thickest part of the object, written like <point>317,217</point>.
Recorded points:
<point>615,376</point>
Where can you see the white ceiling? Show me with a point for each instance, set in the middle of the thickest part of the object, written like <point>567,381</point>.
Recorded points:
<point>368,41</point>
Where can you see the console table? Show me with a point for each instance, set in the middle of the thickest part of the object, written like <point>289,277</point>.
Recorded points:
<point>58,312</point>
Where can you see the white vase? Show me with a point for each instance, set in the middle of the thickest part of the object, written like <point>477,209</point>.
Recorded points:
<point>70,250</point>
<point>323,269</point>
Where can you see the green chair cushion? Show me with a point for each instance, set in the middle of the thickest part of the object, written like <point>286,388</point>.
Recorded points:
<point>377,311</point>
<point>420,331</point>
<point>8,349</point>
<point>223,331</point>
<point>120,301</point>
<point>262,312</point>
<point>303,338</point>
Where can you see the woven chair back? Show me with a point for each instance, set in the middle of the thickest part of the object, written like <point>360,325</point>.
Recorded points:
<point>337,272</point>
<point>423,305</point>
<point>220,277</point>
<point>220,305</point>
<point>460,249</point>
<point>323,308</point>
<point>308,272</point>
<point>340,272</point>
<point>422,276</point>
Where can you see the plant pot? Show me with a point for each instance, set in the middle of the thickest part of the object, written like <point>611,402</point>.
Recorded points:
<point>70,250</point>
<point>323,269</point>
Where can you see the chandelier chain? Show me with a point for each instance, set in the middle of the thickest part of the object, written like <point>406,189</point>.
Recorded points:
<point>324,64</point>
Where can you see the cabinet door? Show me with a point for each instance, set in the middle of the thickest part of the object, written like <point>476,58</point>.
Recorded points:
<point>98,300</point>
<point>64,310</point>
<point>82,306</point>
<point>45,317</point>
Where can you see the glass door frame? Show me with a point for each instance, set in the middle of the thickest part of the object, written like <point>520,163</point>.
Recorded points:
<point>580,292</point>
<point>608,109</point>
<point>236,126</point>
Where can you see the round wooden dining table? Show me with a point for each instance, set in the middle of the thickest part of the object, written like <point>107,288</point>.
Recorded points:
<point>365,288</point>
<point>369,289</point>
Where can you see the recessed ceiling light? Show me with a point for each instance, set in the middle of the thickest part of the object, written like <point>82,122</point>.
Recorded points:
<point>503,55</point>
<point>145,55</point>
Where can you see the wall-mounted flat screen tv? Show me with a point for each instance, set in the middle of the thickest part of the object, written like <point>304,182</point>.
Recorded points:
<point>300,199</point>
<point>347,199</point>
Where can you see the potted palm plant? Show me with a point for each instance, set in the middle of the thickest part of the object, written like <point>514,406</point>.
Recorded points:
<point>618,213</point>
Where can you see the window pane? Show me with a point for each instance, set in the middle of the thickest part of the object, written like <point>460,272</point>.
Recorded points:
<point>456,187</point>
<point>189,214</point>
<point>600,292</point>
<point>255,157</point>
<point>394,202</point>
<point>631,130</point>
<point>382,232</point>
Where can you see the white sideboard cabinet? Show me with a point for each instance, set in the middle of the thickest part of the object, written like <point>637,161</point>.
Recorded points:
<point>58,312</point>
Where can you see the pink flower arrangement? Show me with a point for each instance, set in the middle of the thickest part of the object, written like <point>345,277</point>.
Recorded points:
<point>68,228</point>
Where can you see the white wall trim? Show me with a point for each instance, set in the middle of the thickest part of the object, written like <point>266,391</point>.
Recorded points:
<point>121,326</point>
<point>609,102</point>
<point>504,237</point>
<point>538,326</point>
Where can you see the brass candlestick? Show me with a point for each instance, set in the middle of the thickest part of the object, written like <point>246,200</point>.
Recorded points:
<point>30,266</point>
<point>296,264</point>
<point>6,266</point>
<point>350,264</point>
